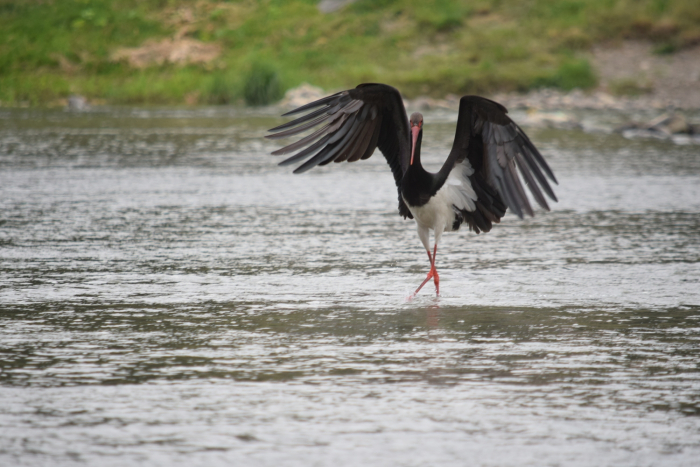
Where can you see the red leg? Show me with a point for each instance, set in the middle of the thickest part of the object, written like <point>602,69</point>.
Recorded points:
<point>436,277</point>
<point>432,274</point>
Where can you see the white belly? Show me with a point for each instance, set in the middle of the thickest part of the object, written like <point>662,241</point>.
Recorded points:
<point>437,214</point>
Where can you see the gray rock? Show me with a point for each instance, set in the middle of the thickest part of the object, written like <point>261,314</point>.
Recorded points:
<point>556,119</point>
<point>77,103</point>
<point>329,6</point>
<point>666,124</point>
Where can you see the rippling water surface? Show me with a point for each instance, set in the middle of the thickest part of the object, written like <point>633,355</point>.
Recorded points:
<point>169,296</point>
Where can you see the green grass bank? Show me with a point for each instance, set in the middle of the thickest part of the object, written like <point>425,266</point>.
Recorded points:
<point>116,51</point>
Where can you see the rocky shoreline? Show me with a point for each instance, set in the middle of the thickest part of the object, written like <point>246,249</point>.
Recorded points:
<point>541,99</point>
<point>660,118</point>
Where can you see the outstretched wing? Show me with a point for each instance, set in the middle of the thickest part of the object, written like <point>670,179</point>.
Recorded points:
<point>354,123</point>
<point>501,153</point>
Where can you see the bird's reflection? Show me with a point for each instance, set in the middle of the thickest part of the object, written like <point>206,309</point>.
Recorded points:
<point>432,316</point>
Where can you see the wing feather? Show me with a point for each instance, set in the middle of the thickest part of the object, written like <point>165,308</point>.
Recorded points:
<point>354,123</point>
<point>307,117</point>
<point>502,154</point>
<point>373,143</point>
<point>300,128</point>
<point>367,142</point>
<point>304,141</point>
<point>304,153</point>
<point>333,146</point>
<point>314,104</point>
<point>358,140</point>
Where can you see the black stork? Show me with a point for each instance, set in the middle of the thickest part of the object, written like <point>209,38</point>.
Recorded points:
<point>476,184</point>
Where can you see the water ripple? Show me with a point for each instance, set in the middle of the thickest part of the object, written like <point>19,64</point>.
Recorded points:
<point>169,296</point>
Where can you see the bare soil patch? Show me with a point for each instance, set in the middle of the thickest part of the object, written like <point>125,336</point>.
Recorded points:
<point>673,79</point>
<point>179,51</point>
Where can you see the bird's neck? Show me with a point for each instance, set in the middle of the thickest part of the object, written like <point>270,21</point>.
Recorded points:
<point>418,185</point>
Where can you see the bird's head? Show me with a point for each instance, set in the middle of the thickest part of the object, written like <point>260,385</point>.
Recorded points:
<point>416,123</point>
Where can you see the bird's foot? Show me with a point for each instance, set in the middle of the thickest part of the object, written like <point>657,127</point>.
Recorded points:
<point>432,274</point>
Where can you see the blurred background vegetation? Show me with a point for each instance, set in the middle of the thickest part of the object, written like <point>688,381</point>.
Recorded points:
<point>220,52</point>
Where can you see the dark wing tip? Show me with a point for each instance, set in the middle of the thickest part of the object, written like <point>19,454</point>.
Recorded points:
<point>484,104</point>
<point>508,147</point>
<point>312,105</point>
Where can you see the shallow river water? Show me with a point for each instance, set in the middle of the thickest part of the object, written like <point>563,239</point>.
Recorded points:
<point>169,296</point>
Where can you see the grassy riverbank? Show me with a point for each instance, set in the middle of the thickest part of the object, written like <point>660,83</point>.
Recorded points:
<point>51,49</point>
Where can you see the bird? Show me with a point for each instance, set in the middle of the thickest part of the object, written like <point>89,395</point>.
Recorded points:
<point>481,177</point>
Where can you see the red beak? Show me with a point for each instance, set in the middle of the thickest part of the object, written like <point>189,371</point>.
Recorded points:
<point>414,130</point>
